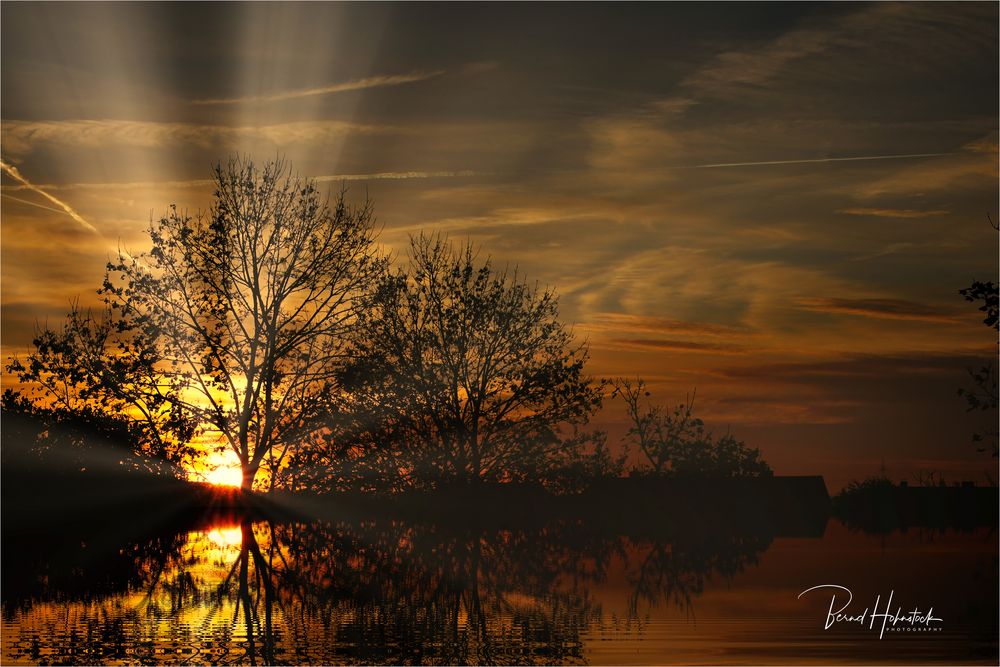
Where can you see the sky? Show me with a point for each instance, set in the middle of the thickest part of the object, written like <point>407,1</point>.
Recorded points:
<point>774,205</point>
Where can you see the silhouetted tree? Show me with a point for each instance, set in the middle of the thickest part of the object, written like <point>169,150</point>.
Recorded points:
<point>989,294</point>
<point>248,306</point>
<point>983,395</point>
<point>586,459</point>
<point>98,378</point>
<point>42,441</point>
<point>675,441</point>
<point>464,372</point>
<point>658,432</point>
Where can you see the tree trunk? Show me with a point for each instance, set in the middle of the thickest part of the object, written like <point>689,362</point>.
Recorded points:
<point>475,475</point>
<point>249,473</point>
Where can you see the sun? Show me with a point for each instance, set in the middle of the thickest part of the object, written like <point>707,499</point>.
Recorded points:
<point>219,469</point>
<point>224,477</point>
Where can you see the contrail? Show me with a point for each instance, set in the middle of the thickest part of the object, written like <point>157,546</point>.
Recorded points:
<point>357,84</point>
<point>382,175</point>
<point>66,208</point>
<point>33,203</point>
<point>814,160</point>
<point>397,175</point>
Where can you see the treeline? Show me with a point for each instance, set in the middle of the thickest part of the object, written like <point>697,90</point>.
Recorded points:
<point>273,327</point>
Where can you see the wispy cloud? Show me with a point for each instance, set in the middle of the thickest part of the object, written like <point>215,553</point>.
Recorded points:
<point>678,345</point>
<point>629,322</point>
<point>892,212</point>
<point>740,69</point>
<point>12,171</point>
<point>892,309</point>
<point>974,166</point>
<point>22,137</point>
<point>856,158</point>
<point>205,182</point>
<point>116,185</point>
<point>835,49</point>
<point>356,84</point>
<point>861,366</point>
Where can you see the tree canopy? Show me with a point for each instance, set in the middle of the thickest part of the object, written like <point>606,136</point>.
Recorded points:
<point>461,371</point>
<point>234,320</point>
<point>99,376</point>
<point>675,442</point>
<point>984,396</point>
<point>271,326</point>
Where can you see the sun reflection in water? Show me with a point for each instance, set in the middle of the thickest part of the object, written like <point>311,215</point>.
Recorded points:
<point>225,536</point>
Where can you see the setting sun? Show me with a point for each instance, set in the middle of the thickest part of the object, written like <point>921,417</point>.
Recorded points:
<point>221,469</point>
<point>224,477</point>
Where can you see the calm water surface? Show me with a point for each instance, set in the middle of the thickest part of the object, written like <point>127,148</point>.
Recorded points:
<point>387,592</point>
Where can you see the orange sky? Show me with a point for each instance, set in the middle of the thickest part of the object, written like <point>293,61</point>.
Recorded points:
<point>774,204</point>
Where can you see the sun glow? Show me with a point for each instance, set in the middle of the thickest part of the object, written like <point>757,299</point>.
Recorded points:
<point>224,477</point>
<point>225,536</point>
<point>220,469</point>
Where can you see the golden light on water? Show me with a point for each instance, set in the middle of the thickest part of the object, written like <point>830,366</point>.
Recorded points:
<point>225,536</point>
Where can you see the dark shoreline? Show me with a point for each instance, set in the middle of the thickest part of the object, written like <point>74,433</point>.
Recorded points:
<point>780,506</point>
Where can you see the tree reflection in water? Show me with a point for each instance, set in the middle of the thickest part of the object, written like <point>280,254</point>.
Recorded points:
<point>676,572</point>
<point>356,592</point>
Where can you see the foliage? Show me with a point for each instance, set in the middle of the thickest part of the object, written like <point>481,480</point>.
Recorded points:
<point>584,459</point>
<point>989,294</point>
<point>662,435</point>
<point>56,440</point>
<point>460,371</point>
<point>675,442</point>
<point>101,372</point>
<point>249,306</point>
<point>983,394</point>
<point>982,397</point>
<point>868,504</point>
<point>874,484</point>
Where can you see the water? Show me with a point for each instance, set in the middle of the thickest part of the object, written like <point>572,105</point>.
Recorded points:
<point>381,591</point>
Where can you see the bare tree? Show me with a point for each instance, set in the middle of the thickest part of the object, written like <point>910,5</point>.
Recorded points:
<point>659,433</point>
<point>461,371</point>
<point>675,441</point>
<point>249,305</point>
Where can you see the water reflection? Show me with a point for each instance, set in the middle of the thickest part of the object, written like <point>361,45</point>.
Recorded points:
<point>347,592</point>
<point>676,572</point>
<point>234,591</point>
